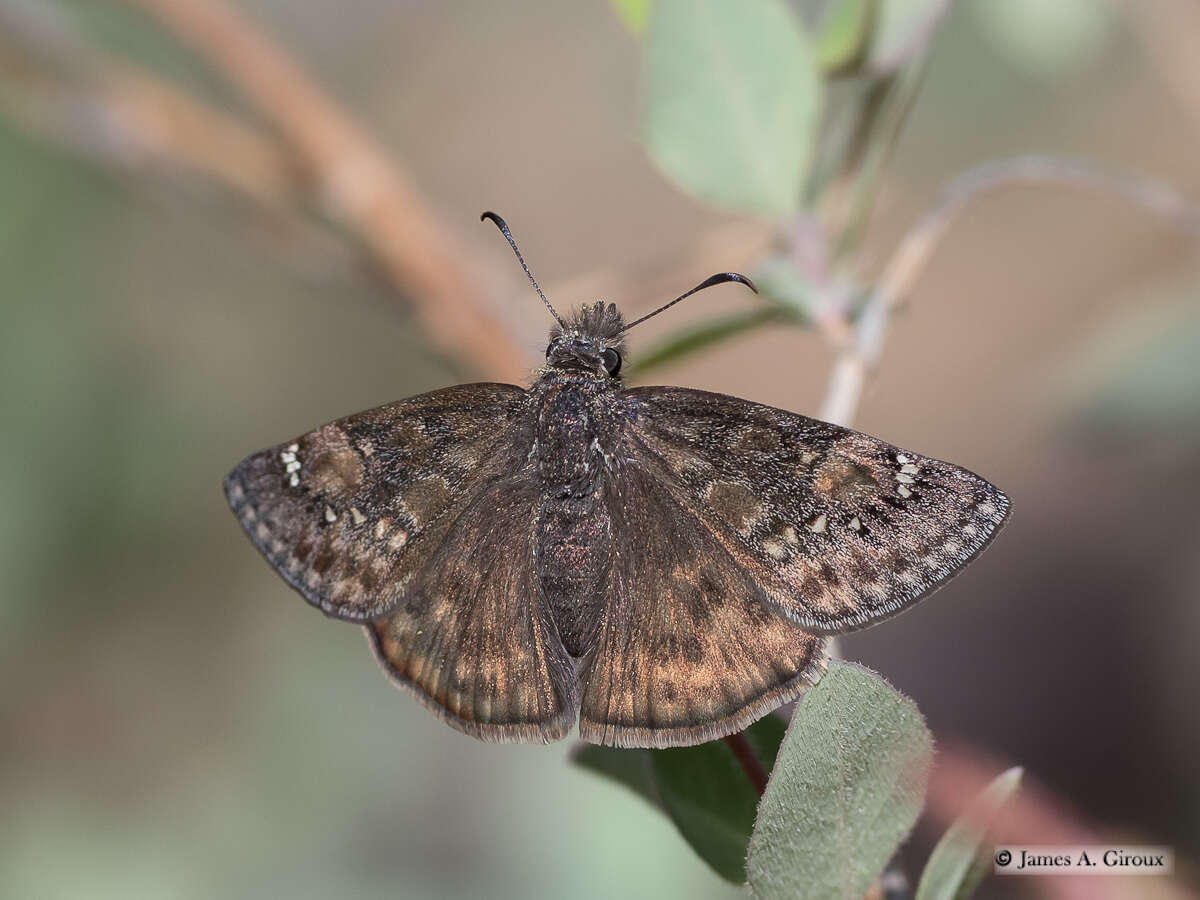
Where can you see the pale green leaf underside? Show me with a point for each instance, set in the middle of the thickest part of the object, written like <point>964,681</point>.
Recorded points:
<point>732,101</point>
<point>847,788</point>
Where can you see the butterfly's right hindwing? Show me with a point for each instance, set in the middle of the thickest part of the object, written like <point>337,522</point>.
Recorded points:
<point>688,647</point>
<point>350,512</point>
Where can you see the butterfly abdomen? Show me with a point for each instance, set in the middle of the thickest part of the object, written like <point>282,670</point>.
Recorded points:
<point>575,427</point>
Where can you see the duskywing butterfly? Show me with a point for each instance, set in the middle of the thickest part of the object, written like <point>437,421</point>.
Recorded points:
<point>662,564</point>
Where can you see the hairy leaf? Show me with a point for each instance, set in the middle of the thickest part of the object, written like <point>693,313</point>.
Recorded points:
<point>847,787</point>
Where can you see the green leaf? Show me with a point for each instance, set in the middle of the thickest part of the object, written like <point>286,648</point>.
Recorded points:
<point>842,36</point>
<point>902,30</point>
<point>631,768</point>
<point>959,862</point>
<point>1050,39</point>
<point>691,339</point>
<point>703,789</point>
<point>1136,382</point>
<point>733,101</point>
<point>847,787</point>
<point>711,799</point>
<point>634,14</point>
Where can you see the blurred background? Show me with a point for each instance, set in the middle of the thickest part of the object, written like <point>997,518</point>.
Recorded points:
<point>188,276</point>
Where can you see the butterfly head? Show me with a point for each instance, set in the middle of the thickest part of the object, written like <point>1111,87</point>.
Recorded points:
<point>590,341</point>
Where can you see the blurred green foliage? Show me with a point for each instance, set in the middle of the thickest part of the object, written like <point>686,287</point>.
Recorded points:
<point>1139,382</point>
<point>962,859</point>
<point>179,735</point>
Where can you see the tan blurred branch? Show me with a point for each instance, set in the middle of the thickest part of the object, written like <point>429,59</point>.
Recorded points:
<point>357,183</point>
<point>858,357</point>
<point>1169,29</point>
<point>60,88</point>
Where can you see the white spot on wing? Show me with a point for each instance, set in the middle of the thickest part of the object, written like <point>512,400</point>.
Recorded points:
<point>330,515</point>
<point>775,550</point>
<point>291,464</point>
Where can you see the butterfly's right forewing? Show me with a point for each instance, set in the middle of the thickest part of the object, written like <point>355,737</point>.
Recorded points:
<point>838,528</point>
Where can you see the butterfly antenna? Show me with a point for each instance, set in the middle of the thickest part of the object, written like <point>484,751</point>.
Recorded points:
<point>503,226</point>
<point>719,278</point>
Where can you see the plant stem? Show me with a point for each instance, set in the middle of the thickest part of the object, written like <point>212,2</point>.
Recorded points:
<point>857,359</point>
<point>748,760</point>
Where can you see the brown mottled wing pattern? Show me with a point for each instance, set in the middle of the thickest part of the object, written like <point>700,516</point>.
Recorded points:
<point>472,638</point>
<point>349,513</point>
<point>689,648</point>
<point>839,529</point>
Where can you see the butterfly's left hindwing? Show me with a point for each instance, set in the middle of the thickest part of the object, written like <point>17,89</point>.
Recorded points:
<point>349,513</point>
<point>839,529</point>
<point>473,638</point>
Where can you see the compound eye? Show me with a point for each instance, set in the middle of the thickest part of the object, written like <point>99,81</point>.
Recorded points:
<point>549,347</point>
<point>612,361</point>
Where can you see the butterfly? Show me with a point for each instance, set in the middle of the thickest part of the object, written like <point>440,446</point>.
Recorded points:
<point>662,565</point>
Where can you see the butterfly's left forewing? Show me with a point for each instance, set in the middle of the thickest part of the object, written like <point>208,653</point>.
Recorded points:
<point>473,638</point>
<point>350,512</point>
<point>839,529</point>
